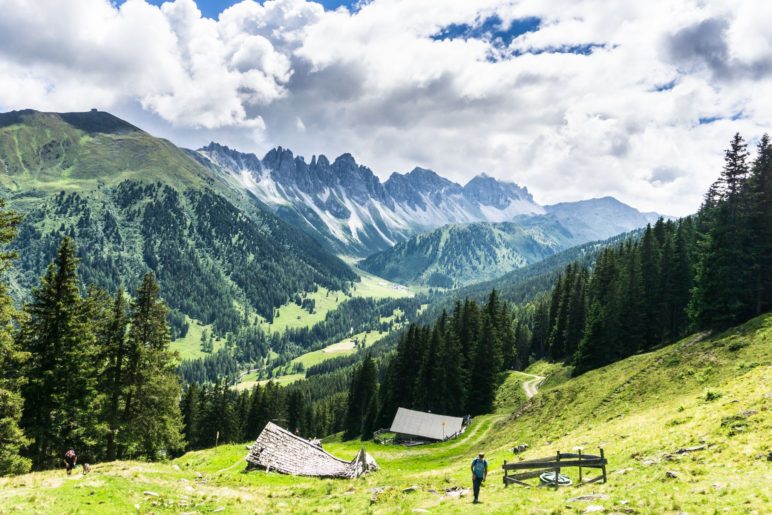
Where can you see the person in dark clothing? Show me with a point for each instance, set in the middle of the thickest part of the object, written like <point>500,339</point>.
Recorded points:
<point>479,474</point>
<point>70,459</point>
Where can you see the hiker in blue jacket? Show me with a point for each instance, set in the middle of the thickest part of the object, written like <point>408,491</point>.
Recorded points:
<point>479,474</point>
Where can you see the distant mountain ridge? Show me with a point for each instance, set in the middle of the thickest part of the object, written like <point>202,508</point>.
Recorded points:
<point>459,254</point>
<point>451,257</point>
<point>345,205</point>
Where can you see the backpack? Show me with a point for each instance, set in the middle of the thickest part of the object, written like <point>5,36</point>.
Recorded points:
<point>478,467</point>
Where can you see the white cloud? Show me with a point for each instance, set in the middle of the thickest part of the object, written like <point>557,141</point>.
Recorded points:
<point>621,120</point>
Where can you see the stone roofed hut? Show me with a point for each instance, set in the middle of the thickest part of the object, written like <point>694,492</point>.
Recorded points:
<point>278,449</point>
<point>417,425</point>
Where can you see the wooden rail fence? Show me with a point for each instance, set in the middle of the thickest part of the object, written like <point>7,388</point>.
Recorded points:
<point>535,468</point>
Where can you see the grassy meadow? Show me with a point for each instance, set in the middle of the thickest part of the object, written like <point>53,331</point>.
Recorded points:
<point>714,391</point>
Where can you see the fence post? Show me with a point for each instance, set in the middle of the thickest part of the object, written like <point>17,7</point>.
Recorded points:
<point>557,471</point>
<point>506,483</point>
<point>580,466</point>
<point>603,457</point>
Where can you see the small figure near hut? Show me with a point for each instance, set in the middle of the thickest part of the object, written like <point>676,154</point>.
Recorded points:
<point>479,474</point>
<point>70,459</point>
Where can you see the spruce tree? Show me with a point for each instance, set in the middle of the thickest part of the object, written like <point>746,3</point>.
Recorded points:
<point>257,417</point>
<point>723,282</point>
<point>12,360</point>
<point>454,374</point>
<point>114,351</point>
<point>649,276</point>
<point>760,218</point>
<point>189,409</point>
<point>295,414</point>
<point>152,410</point>
<point>484,376</point>
<point>360,397</point>
<point>61,398</point>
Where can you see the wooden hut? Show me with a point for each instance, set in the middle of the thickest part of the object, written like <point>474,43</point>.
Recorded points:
<point>417,425</point>
<point>278,449</point>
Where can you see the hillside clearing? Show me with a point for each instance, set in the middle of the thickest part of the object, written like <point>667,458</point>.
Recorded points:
<point>711,391</point>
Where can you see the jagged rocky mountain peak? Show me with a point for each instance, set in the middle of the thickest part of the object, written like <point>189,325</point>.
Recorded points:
<point>493,192</point>
<point>346,205</point>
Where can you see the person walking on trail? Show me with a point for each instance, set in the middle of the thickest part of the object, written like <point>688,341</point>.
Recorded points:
<point>70,459</point>
<point>479,474</point>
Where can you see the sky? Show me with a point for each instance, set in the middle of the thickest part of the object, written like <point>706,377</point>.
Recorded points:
<point>572,98</point>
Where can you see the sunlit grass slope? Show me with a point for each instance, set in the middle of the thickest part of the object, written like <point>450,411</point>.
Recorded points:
<point>702,390</point>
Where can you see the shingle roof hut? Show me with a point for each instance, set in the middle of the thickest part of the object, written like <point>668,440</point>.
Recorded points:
<point>417,424</point>
<point>278,449</point>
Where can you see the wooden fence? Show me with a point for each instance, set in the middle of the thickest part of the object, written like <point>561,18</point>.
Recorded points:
<point>535,468</point>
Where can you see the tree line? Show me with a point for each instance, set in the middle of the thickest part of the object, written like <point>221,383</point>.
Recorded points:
<point>705,272</point>
<point>452,367</point>
<point>89,371</point>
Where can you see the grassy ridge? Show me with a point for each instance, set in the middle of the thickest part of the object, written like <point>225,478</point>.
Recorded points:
<point>641,410</point>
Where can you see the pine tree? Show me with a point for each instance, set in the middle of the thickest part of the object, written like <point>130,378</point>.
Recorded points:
<point>631,302</point>
<point>151,411</point>
<point>577,311</point>
<point>295,414</point>
<point>649,275</point>
<point>61,397</point>
<point>484,377</point>
<point>361,393</point>
<point>454,374</point>
<point>723,282</point>
<point>760,219</point>
<point>189,409</point>
<point>114,350</point>
<point>12,360</point>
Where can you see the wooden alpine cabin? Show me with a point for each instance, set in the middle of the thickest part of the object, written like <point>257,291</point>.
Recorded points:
<point>411,425</point>
<point>278,449</point>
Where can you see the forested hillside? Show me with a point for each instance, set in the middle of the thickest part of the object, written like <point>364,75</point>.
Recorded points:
<point>705,272</point>
<point>133,203</point>
<point>457,255</point>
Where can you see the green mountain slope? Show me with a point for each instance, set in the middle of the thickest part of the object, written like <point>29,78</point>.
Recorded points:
<point>461,254</point>
<point>133,202</point>
<point>711,391</point>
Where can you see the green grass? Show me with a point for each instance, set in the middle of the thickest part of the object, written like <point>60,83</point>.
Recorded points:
<point>292,316</point>
<point>250,380</point>
<point>378,288</point>
<point>640,410</point>
<point>189,347</point>
<point>342,348</point>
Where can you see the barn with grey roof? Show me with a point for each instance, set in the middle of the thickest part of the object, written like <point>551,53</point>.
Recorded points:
<point>418,425</point>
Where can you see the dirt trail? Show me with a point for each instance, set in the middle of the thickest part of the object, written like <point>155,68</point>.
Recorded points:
<point>531,386</point>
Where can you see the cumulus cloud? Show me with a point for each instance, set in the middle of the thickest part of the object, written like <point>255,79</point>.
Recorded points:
<point>571,98</point>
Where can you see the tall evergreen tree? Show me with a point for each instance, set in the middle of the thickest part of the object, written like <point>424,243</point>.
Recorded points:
<point>61,398</point>
<point>724,271</point>
<point>760,217</point>
<point>152,410</point>
<point>360,397</point>
<point>12,360</point>
<point>114,350</point>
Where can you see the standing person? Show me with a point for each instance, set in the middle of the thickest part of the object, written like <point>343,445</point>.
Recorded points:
<point>70,459</point>
<point>479,474</point>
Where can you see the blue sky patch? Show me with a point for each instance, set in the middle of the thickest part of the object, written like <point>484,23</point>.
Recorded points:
<point>666,86</point>
<point>584,49</point>
<point>491,28</point>
<point>213,8</point>
<point>706,120</point>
